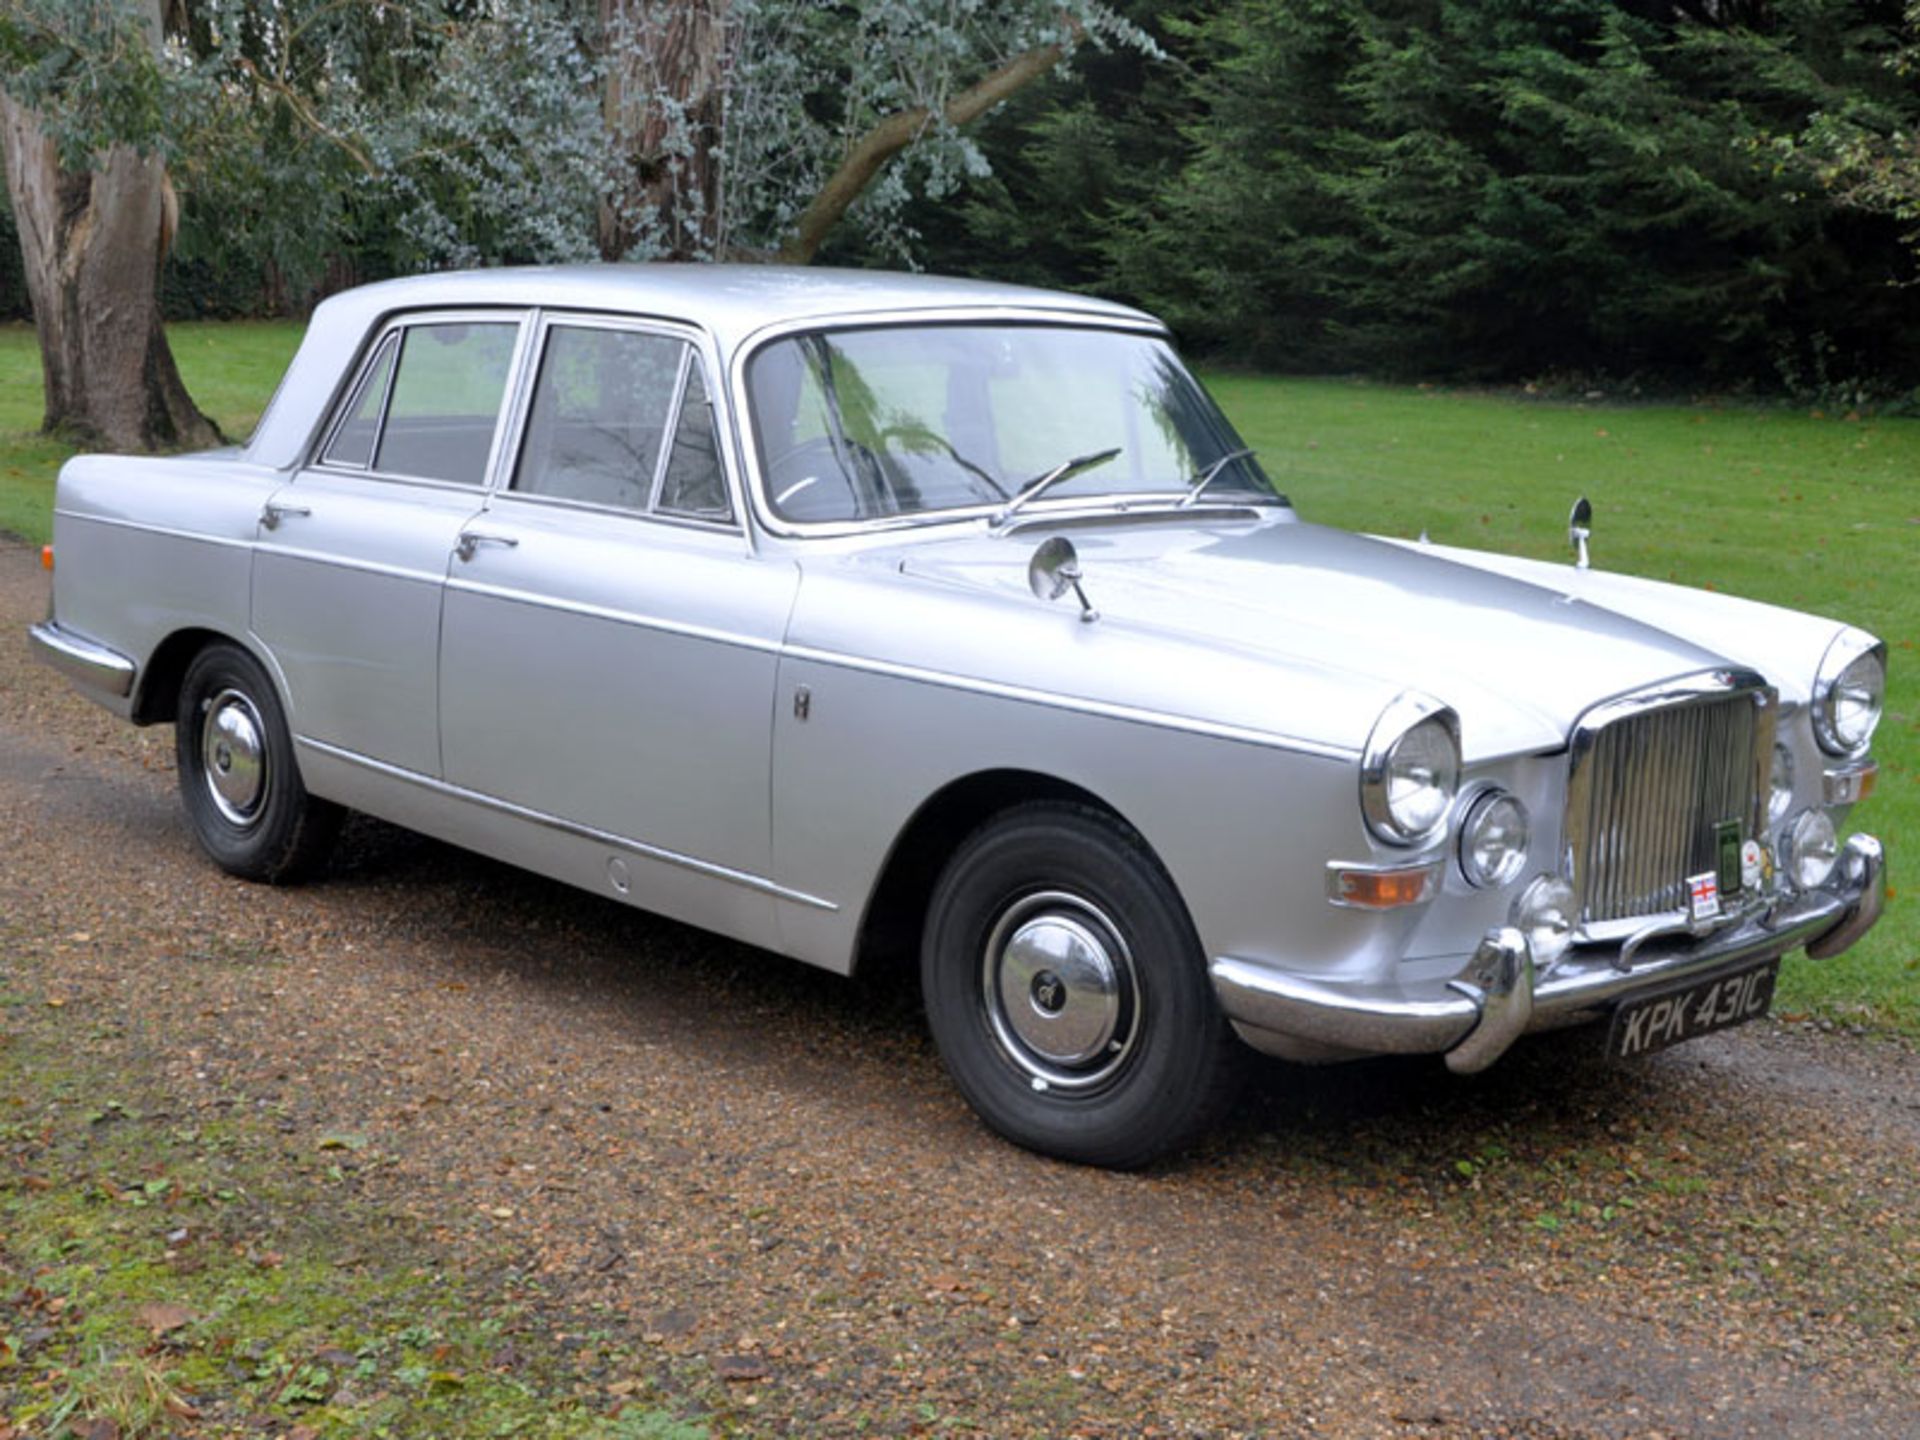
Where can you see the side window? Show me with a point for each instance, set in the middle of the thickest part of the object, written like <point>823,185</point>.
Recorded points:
<point>600,411</point>
<point>449,377</point>
<point>604,427</point>
<point>693,483</point>
<point>353,441</point>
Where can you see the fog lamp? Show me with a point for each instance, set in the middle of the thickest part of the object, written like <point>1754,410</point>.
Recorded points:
<point>1812,850</point>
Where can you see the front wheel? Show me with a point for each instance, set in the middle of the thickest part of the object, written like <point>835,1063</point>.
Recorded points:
<point>1068,994</point>
<point>242,792</point>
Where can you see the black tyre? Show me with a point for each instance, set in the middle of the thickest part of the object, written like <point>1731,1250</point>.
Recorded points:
<point>243,794</point>
<point>1068,993</point>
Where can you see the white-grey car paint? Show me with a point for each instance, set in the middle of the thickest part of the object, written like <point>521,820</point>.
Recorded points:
<point>614,700</point>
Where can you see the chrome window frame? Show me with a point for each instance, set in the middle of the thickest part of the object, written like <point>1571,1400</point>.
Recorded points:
<point>315,460</point>
<point>698,345</point>
<point>770,521</point>
<point>392,338</point>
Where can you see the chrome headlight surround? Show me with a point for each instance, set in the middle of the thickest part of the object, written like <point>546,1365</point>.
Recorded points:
<point>1849,693</point>
<point>1410,770</point>
<point>1495,831</point>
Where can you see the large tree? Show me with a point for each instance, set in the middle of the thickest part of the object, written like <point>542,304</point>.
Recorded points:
<point>94,212</point>
<point>755,128</point>
<point>419,133</point>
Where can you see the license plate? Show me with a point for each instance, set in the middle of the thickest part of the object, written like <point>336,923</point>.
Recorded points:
<point>1653,1022</point>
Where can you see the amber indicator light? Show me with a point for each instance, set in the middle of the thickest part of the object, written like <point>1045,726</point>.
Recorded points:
<point>46,557</point>
<point>1385,889</point>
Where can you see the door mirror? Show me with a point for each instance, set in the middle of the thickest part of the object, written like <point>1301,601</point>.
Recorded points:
<point>1579,527</point>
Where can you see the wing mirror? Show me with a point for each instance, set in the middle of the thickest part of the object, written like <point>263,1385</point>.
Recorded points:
<point>1579,527</point>
<point>1054,570</point>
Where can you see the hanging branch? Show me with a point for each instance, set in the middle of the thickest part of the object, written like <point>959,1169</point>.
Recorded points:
<point>873,150</point>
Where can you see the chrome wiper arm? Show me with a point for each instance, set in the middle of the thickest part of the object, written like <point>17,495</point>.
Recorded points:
<point>1039,485</point>
<point>1198,484</point>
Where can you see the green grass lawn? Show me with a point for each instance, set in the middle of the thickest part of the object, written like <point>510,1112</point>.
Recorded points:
<point>1813,511</point>
<point>230,369</point>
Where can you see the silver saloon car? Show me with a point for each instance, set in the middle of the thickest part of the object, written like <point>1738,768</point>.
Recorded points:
<point>854,614</point>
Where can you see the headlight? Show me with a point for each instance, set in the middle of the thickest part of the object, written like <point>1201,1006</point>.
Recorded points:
<point>1780,785</point>
<point>1848,692</point>
<point>1410,770</point>
<point>1544,914</point>
<point>1493,840</point>
<point>1812,850</point>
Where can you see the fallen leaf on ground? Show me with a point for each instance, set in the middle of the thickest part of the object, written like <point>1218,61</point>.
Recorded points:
<point>160,1317</point>
<point>739,1367</point>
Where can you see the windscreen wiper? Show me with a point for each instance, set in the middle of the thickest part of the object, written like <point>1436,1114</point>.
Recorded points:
<point>1040,484</point>
<point>1198,484</point>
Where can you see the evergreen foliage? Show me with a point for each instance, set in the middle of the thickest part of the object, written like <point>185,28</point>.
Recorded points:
<point>1504,188</point>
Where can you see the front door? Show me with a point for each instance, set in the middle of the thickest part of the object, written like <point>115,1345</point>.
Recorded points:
<point>609,643</point>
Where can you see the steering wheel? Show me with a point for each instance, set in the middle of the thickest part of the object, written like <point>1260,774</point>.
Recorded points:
<point>807,481</point>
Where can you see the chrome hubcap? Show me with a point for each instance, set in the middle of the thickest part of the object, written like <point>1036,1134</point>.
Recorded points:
<point>233,757</point>
<point>1060,993</point>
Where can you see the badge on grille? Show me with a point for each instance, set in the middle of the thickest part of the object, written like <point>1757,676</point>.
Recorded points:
<point>1703,891</point>
<point>1727,857</point>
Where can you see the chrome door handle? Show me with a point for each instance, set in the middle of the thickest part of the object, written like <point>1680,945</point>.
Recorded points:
<point>472,540</point>
<point>272,513</point>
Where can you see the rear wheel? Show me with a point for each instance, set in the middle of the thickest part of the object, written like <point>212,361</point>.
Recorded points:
<point>1068,994</point>
<point>242,791</point>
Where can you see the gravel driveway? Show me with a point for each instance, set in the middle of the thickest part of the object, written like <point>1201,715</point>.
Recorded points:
<point>727,1155</point>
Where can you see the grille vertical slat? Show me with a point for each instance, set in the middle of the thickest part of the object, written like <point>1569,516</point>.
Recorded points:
<point>1660,782</point>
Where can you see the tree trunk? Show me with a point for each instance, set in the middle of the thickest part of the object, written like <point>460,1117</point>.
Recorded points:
<point>664,104</point>
<point>91,242</point>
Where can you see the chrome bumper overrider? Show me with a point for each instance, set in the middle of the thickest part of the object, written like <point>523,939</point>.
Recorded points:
<point>81,660</point>
<point>1497,996</point>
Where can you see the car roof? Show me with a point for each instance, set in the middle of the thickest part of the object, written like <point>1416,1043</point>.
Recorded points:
<point>731,302</point>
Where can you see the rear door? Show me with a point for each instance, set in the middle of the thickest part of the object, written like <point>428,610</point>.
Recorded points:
<point>351,556</point>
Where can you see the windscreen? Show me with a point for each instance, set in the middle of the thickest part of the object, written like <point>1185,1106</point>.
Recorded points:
<point>861,424</point>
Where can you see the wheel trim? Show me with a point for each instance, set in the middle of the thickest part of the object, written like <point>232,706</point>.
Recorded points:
<point>233,758</point>
<point>1059,992</point>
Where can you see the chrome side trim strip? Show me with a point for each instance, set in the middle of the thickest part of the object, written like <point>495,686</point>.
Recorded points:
<point>1271,740</point>
<point>168,530</point>
<point>622,617</point>
<point>346,562</point>
<point>81,660</point>
<point>568,827</point>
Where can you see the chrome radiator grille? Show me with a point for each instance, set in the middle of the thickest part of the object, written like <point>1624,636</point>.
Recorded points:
<point>1650,788</point>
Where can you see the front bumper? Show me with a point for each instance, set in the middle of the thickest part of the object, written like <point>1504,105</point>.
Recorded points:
<point>1498,996</point>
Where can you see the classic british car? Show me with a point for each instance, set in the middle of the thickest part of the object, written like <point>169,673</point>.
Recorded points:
<point>859,615</point>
